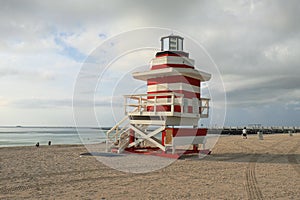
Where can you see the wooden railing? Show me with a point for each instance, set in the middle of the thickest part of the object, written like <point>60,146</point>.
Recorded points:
<point>115,131</point>
<point>120,129</point>
<point>149,104</point>
<point>142,103</point>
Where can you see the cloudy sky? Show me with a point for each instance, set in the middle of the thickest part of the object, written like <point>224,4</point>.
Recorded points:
<point>43,44</point>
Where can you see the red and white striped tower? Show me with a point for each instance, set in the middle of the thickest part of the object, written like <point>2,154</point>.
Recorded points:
<point>173,71</point>
<point>173,99</point>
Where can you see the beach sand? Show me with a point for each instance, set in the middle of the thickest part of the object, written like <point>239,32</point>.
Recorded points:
<point>237,169</point>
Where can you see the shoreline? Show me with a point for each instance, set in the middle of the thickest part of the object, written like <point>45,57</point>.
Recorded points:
<point>70,144</point>
<point>52,145</point>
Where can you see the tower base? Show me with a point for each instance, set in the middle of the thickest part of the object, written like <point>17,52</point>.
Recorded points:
<point>155,151</point>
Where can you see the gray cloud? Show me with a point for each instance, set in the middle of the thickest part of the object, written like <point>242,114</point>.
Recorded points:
<point>21,74</point>
<point>42,103</point>
<point>38,103</point>
<point>254,43</point>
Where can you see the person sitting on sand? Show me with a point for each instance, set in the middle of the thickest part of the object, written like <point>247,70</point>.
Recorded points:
<point>244,133</point>
<point>37,144</point>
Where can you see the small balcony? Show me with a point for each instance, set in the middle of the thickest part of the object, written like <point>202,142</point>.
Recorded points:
<point>166,104</point>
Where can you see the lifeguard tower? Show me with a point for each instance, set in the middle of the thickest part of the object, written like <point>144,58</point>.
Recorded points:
<point>167,116</point>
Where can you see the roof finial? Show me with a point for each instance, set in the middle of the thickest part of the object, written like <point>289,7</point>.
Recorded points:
<point>172,32</point>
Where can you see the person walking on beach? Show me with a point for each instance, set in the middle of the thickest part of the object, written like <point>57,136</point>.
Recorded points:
<point>244,133</point>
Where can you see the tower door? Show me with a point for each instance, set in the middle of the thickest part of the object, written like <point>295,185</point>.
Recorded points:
<point>195,106</point>
<point>185,105</point>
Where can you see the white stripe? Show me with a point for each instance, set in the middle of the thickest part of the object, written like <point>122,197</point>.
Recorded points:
<point>173,60</point>
<point>185,140</point>
<point>173,86</point>
<point>178,101</point>
<point>172,71</point>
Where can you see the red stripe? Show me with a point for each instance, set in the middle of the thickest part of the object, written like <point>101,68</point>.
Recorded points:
<point>159,108</point>
<point>169,53</point>
<point>177,108</point>
<point>174,79</point>
<point>160,97</point>
<point>186,94</point>
<point>181,132</point>
<point>162,66</point>
<point>163,136</point>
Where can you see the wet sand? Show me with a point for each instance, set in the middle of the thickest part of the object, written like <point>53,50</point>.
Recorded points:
<point>236,169</point>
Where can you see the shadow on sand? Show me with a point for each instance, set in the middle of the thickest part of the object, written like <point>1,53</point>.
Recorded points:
<point>248,157</point>
<point>103,154</point>
<point>226,157</point>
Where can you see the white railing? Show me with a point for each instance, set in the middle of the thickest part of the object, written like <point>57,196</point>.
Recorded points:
<point>115,131</point>
<point>113,135</point>
<point>152,101</point>
<point>162,104</point>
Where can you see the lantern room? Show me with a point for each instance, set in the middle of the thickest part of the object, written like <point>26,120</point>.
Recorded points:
<point>172,43</point>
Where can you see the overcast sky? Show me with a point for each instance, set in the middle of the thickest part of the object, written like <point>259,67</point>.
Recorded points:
<point>254,44</point>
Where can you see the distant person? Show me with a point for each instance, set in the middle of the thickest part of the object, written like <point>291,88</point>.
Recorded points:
<point>244,133</point>
<point>37,144</point>
<point>49,143</point>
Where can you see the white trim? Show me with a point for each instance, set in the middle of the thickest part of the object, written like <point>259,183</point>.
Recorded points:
<point>173,86</point>
<point>185,140</point>
<point>171,71</point>
<point>177,101</point>
<point>173,60</point>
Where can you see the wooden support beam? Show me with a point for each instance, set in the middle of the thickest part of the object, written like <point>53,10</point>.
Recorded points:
<point>147,136</point>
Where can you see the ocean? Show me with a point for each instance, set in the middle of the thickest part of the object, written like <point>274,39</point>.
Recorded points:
<point>29,136</point>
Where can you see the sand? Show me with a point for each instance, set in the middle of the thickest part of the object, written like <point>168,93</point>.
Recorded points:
<point>236,169</point>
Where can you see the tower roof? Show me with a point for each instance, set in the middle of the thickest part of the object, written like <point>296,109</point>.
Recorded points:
<point>172,36</point>
<point>202,76</point>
